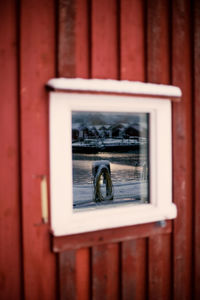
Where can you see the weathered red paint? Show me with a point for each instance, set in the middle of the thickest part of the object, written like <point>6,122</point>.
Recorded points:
<point>158,71</point>
<point>160,267</point>
<point>83,273</point>
<point>83,39</point>
<point>104,39</point>
<point>132,40</point>
<point>10,230</point>
<point>37,65</point>
<point>134,272</point>
<point>132,67</point>
<point>154,41</point>
<point>66,63</point>
<point>158,41</point>
<point>67,275</point>
<point>74,61</point>
<point>105,272</point>
<point>182,150</point>
<point>104,64</point>
<point>108,61</point>
<point>113,235</point>
<point>196,135</point>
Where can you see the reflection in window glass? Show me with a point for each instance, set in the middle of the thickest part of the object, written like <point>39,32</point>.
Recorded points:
<point>110,158</point>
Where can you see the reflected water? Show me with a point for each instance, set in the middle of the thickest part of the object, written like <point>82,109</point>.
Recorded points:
<point>121,140</point>
<point>123,166</point>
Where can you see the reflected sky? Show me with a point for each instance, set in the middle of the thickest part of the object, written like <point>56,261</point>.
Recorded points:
<point>125,167</point>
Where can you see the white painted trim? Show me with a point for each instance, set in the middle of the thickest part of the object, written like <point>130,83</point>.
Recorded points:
<point>114,86</point>
<point>65,220</point>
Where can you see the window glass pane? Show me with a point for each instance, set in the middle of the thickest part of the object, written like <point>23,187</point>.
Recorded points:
<point>110,154</point>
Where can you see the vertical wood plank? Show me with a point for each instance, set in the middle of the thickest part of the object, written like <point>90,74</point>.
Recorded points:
<point>73,38</point>
<point>158,45</point>
<point>158,71</point>
<point>83,262</point>
<point>104,43</point>
<point>37,65</point>
<point>105,267</point>
<point>105,64</point>
<point>82,69</point>
<point>66,38</point>
<point>132,67</point>
<point>196,18</point>
<point>67,275</point>
<point>83,37</point>
<point>182,146</point>
<point>132,40</point>
<point>160,270</point>
<point>134,270</point>
<point>74,274</point>
<point>74,61</point>
<point>10,235</point>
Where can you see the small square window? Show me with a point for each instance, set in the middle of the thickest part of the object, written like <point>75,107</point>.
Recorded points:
<point>110,156</point>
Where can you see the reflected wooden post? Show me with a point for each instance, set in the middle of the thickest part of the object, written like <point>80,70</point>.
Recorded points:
<point>99,169</point>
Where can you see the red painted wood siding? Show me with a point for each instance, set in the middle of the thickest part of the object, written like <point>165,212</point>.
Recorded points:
<point>37,65</point>
<point>10,223</point>
<point>158,71</point>
<point>182,149</point>
<point>154,41</point>
<point>196,136</point>
<point>133,258</point>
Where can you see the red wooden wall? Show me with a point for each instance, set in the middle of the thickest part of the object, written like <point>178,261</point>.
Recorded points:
<point>147,40</point>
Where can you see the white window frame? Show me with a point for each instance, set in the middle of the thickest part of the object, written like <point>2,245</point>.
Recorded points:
<point>64,219</point>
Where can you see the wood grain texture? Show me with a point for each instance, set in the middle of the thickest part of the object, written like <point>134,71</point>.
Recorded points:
<point>158,71</point>
<point>10,229</point>
<point>83,70</point>
<point>134,272</point>
<point>83,39</point>
<point>132,67</point>
<point>74,61</point>
<point>196,116</point>
<point>83,273</point>
<point>105,272</point>
<point>182,149</point>
<point>132,40</point>
<point>105,64</point>
<point>136,40</point>
<point>66,66</point>
<point>104,39</point>
<point>160,268</point>
<point>113,235</point>
<point>37,65</point>
<point>158,41</point>
<point>67,275</point>
<point>73,38</point>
